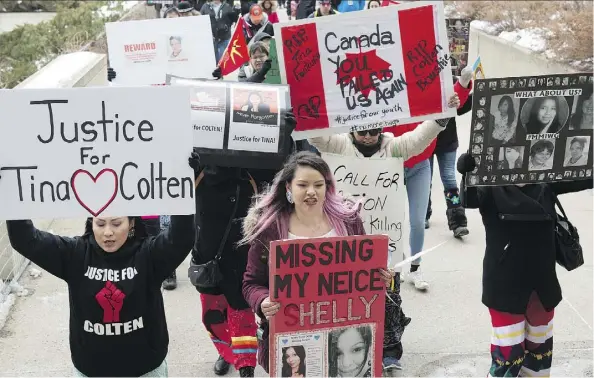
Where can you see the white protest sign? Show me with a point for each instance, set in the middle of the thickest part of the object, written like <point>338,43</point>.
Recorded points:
<point>369,69</point>
<point>108,151</point>
<point>143,52</point>
<point>380,183</point>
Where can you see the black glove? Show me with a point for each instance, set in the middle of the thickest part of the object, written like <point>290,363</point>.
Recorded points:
<point>466,163</point>
<point>111,74</point>
<point>290,121</point>
<point>443,122</point>
<point>266,66</point>
<point>217,73</point>
<point>194,160</point>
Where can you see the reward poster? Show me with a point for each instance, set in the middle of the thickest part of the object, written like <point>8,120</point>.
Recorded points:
<point>369,69</point>
<point>238,124</point>
<point>143,52</point>
<point>333,303</point>
<point>379,184</point>
<point>93,152</point>
<point>532,129</point>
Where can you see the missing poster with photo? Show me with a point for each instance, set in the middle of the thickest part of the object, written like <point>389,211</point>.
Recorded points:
<point>328,352</point>
<point>238,125</point>
<point>458,33</point>
<point>532,129</point>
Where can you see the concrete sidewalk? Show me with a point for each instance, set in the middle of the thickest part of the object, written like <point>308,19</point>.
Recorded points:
<point>449,334</point>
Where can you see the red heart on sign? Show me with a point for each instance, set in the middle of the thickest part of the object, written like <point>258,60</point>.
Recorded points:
<point>112,195</point>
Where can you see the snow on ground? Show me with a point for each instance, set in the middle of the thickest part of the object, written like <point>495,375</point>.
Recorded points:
<point>117,8</point>
<point>5,307</point>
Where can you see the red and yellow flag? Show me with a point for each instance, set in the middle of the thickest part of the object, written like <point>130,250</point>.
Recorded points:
<point>236,53</point>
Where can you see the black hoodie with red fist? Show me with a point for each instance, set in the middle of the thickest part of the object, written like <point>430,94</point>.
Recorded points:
<point>117,318</point>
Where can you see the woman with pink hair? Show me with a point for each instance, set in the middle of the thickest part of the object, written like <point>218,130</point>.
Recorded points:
<point>302,202</point>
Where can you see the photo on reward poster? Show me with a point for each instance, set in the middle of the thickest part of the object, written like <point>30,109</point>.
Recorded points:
<point>238,125</point>
<point>540,127</point>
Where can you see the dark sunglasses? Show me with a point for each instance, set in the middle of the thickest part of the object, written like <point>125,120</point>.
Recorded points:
<point>373,132</point>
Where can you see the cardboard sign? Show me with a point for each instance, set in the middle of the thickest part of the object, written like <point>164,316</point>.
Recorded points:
<point>80,152</point>
<point>366,70</point>
<point>332,298</point>
<point>273,75</point>
<point>458,33</point>
<point>380,183</point>
<point>238,125</point>
<point>143,52</point>
<point>477,68</point>
<point>532,129</point>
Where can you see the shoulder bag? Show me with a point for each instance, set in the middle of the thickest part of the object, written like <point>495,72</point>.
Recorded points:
<point>569,252</point>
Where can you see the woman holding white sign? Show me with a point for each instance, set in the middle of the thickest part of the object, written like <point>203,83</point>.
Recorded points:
<point>375,143</point>
<point>114,274</point>
<point>302,202</point>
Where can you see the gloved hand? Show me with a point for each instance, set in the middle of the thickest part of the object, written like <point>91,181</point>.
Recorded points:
<point>453,102</point>
<point>111,74</point>
<point>266,66</point>
<point>466,76</point>
<point>290,121</point>
<point>194,160</point>
<point>217,73</point>
<point>466,163</point>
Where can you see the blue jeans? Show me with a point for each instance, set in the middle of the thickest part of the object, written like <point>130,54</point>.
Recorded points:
<point>220,47</point>
<point>447,172</point>
<point>418,182</point>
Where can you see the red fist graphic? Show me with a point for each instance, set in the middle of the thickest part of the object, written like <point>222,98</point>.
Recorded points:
<point>111,300</point>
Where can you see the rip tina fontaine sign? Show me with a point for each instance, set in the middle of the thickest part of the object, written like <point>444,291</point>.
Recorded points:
<point>332,304</point>
<point>366,70</point>
<point>95,151</point>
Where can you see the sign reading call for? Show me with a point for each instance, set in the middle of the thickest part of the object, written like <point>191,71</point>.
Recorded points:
<point>366,70</point>
<point>111,151</point>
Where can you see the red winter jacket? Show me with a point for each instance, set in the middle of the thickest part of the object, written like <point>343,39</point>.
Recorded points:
<point>463,94</point>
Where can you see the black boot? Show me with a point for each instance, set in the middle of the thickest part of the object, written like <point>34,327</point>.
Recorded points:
<point>246,371</point>
<point>221,367</point>
<point>456,216</point>
<point>170,282</point>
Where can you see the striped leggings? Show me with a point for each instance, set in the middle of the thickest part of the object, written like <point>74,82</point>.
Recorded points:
<point>233,332</point>
<point>522,345</point>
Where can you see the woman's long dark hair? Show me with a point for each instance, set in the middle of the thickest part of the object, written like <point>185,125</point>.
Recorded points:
<point>364,331</point>
<point>249,104</point>
<point>287,371</point>
<point>576,120</point>
<point>534,126</point>
<point>511,112</point>
<point>139,227</point>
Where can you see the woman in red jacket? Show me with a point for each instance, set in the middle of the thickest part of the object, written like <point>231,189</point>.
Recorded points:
<point>417,177</point>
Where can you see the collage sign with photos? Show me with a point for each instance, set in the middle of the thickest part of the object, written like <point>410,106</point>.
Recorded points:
<point>532,129</point>
<point>238,125</point>
<point>458,33</point>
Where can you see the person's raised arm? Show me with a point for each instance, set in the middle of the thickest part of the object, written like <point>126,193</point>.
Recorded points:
<point>51,252</point>
<point>414,142</point>
<point>333,144</point>
<point>170,248</point>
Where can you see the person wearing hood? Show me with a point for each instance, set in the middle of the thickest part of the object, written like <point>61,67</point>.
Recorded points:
<point>223,197</point>
<point>222,17</point>
<point>445,152</point>
<point>256,22</point>
<point>270,8</point>
<point>114,272</point>
<point>325,9</point>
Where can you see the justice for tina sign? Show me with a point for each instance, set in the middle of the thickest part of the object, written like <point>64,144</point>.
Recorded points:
<point>95,151</point>
<point>370,69</point>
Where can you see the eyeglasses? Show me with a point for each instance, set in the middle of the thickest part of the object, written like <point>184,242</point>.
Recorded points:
<point>259,57</point>
<point>373,132</point>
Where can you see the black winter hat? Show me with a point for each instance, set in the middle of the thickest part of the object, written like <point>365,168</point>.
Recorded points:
<point>184,7</point>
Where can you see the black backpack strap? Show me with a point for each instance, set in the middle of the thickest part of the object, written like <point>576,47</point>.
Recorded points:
<point>229,225</point>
